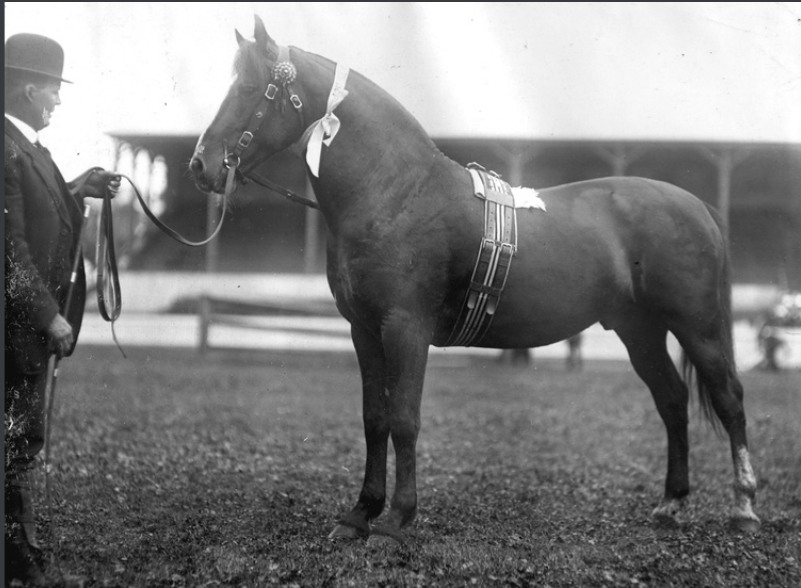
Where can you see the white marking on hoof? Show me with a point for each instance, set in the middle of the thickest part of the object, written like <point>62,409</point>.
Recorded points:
<point>743,517</point>
<point>345,532</point>
<point>744,478</point>
<point>664,515</point>
<point>746,525</point>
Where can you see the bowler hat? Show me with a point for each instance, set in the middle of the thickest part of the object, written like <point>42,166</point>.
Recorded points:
<point>35,53</point>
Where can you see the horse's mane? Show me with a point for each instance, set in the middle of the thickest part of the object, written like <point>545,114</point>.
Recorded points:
<point>318,60</point>
<point>250,64</point>
<point>329,64</point>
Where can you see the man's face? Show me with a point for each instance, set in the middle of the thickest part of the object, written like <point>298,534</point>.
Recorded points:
<point>44,98</point>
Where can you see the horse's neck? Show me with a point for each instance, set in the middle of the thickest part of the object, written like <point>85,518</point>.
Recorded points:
<point>379,155</point>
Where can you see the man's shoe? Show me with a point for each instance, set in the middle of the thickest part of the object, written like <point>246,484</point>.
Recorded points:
<point>23,566</point>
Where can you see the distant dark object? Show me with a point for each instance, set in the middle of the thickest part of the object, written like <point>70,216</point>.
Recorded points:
<point>515,357</point>
<point>523,357</point>
<point>780,331</point>
<point>575,361</point>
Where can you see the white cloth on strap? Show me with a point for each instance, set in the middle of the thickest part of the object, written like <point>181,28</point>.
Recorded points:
<point>527,198</point>
<point>325,129</point>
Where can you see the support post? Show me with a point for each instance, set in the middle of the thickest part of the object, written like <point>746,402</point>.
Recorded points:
<point>516,161</point>
<point>213,247</point>
<point>311,249</point>
<point>620,157</point>
<point>725,160</point>
<point>205,320</point>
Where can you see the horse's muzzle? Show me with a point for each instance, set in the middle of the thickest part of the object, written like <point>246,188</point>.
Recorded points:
<point>206,179</point>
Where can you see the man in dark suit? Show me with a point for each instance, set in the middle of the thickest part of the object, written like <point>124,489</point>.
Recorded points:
<point>43,219</point>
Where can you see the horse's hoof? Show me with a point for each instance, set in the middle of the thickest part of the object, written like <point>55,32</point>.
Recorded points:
<point>745,525</point>
<point>664,515</point>
<point>346,532</point>
<point>664,520</point>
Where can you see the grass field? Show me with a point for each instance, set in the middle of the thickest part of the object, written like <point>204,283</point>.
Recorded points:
<point>172,470</point>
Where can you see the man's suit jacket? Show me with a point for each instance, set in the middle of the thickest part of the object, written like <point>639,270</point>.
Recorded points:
<point>43,221</point>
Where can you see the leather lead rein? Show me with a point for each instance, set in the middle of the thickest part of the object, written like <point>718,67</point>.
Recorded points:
<point>109,296</point>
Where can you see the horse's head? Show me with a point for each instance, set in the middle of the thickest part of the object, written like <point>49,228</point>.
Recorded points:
<point>261,114</point>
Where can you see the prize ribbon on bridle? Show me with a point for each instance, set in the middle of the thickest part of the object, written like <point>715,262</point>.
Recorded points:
<point>325,129</point>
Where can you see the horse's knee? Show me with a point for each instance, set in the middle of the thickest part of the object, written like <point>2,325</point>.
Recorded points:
<point>404,421</point>
<point>376,426</point>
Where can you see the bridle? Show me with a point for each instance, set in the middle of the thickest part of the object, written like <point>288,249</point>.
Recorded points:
<point>283,74</point>
<point>322,131</point>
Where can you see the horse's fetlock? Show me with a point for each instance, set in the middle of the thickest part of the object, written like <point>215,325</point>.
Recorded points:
<point>373,505</point>
<point>746,490</point>
<point>408,517</point>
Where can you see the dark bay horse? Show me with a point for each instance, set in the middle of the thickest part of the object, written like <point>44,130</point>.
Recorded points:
<point>642,257</point>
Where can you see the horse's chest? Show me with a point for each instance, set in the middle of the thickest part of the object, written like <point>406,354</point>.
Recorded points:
<point>370,281</point>
<point>355,280</point>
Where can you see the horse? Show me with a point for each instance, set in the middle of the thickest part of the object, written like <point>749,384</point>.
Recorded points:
<point>642,257</point>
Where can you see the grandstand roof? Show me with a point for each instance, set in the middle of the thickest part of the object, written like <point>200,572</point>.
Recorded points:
<point>686,71</point>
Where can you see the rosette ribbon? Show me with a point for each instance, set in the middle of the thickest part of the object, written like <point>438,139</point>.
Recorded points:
<point>323,131</point>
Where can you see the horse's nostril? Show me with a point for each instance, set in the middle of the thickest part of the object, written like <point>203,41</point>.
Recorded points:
<point>196,165</point>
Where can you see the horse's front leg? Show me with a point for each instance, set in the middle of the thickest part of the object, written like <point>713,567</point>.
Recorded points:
<point>375,415</point>
<point>406,341</point>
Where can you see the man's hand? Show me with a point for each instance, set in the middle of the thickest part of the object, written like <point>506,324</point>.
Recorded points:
<point>59,333</point>
<point>100,182</point>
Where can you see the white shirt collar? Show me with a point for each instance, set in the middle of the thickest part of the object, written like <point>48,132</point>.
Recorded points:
<point>24,128</point>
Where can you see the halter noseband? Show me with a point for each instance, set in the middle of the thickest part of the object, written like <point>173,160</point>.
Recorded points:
<point>283,74</point>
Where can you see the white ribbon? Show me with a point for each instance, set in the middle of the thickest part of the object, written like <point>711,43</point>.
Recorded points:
<point>325,129</point>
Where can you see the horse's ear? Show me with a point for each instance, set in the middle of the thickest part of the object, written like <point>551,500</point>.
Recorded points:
<point>240,40</point>
<point>263,40</point>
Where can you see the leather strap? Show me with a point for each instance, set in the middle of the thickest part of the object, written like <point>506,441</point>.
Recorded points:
<point>109,293</point>
<point>109,298</point>
<point>493,262</point>
<point>282,191</point>
<point>230,186</point>
<point>283,73</point>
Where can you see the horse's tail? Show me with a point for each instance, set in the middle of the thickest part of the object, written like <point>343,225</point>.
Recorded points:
<point>724,291</point>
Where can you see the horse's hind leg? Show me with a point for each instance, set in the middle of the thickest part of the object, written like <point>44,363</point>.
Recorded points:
<point>646,342</point>
<point>376,433</point>
<point>709,351</point>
